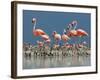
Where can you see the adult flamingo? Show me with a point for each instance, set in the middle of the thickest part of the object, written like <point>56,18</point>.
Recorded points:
<point>81,33</point>
<point>37,32</point>
<point>78,32</point>
<point>56,36</point>
<point>64,37</point>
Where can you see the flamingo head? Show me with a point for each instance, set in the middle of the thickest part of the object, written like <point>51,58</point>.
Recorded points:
<point>74,23</point>
<point>54,32</point>
<point>33,20</point>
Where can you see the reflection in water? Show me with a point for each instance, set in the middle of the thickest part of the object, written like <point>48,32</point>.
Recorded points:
<point>35,62</point>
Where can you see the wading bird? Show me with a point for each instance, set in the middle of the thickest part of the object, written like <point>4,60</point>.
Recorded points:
<point>65,37</point>
<point>37,32</point>
<point>40,43</point>
<point>56,36</point>
<point>46,39</point>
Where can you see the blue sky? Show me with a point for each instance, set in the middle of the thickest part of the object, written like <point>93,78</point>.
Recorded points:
<point>54,21</point>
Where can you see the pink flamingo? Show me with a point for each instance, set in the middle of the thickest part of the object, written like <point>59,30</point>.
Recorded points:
<point>64,36</point>
<point>37,32</point>
<point>48,41</point>
<point>78,32</point>
<point>56,36</point>
<point>46,38</point>
<point>81,33</point>
<point>84,43</point>
<point>40,44</point>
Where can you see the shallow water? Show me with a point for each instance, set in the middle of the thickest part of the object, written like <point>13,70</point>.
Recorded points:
<point>36,62</point>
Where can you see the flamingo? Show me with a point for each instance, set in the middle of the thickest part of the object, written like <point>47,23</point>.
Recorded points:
<point>72,34</point>
<point>81,33</point>
<point>37,32</point>
<point>40,44</point>
<point>48,41</point>
<point>46,38</point>
<point>64,36</point>
<point>56,36</point>
<point>78,32</point>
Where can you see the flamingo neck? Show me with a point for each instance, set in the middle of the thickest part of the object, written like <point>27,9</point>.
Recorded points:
<point>34,25</point>
<point>64,32</point>
<point>74,27</point>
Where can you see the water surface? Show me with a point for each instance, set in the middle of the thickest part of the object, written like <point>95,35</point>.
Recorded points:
<point>36,62</point>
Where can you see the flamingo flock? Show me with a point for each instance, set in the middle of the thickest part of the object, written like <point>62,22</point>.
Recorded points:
<point>69,32</point>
